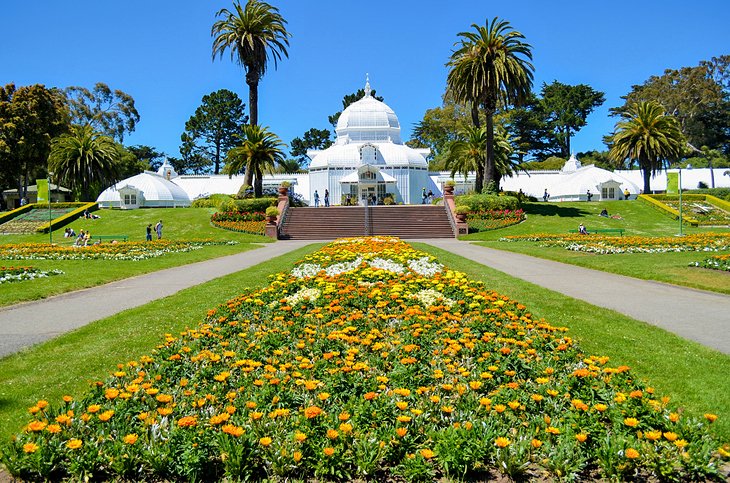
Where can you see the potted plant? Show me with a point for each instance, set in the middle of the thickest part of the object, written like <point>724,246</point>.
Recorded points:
<point>271,213</point>
<point>461,212</point>
<point>284,188</point>
<point>449,187</point>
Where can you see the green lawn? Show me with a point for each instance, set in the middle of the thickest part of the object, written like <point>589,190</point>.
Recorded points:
<point>638,219</point>
<point>179,224</point>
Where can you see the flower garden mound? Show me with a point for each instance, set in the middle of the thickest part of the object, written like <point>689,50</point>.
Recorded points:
<point>103,251</point>
<point>368,360</point>
<point>21,274</point>
<point>704,242</point>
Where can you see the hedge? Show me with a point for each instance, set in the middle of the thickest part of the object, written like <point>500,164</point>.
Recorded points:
<point>68,217</point>
<point>488,202</point>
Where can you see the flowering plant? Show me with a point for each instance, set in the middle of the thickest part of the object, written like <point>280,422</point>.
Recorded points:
<point>629,244</point>
<point>368,360</point>
<point>19,274</point>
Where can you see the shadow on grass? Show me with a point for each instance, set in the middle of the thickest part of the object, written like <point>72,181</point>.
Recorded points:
<point>554,209</point>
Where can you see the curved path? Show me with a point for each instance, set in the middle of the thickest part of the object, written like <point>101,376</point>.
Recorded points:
<point>30,323</point>
<point>697,315</point>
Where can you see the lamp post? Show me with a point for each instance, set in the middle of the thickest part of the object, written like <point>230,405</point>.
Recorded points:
<point>50,218</point>
<point>680,201</point>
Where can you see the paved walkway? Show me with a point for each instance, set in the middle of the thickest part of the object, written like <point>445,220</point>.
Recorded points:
<point>693,314</point>
<point>30,323</point>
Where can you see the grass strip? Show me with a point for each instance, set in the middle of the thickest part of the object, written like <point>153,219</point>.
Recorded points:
<point>68,363</point>
<point>692,375</point>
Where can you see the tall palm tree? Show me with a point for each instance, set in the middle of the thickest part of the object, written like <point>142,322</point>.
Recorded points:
<point>84,158</point>
<point>647,135</point>
<point>490,67</point>
<point>260,150</point>
<point>252,34</point>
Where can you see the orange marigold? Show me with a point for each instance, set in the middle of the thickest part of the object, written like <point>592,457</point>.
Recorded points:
<point>131,438</point>
<point>329,451</point>
<point>501,442</point>
<point>30,448</point>
<point>312,412</point>
<point>631,453</point>
<point>233,430</point>
<point>631,422</point>
<point>265,441</point>
<point>427,453</point>
<point>74,443</point>
<point>187,422</point>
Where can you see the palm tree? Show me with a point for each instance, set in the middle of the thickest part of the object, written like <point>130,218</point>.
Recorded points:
<point>466,154</point>
<point>491,66</point>
<point>259,152</point>
<point>647,135</point>
<point>83,158</point>
<point>252,34</point>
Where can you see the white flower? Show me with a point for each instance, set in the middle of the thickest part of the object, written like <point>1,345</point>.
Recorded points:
<point>424,267</point>
<point>303,294</point>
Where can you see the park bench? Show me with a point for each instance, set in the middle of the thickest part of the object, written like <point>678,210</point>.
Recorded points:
<point>110,237</point>
<point>619,231</point>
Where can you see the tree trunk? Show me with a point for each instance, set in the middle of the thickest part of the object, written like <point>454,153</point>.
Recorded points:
<point>217,158</point>
<point>475,115</point>
<point>567,142</point>
<point>248,176</point>
<point>479,182</point>
<point>647,179</point>
<point>489,167</point>
<point>252,79</point>
<point>258,184</point>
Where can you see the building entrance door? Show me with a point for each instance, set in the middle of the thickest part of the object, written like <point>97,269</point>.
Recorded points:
<point>367,192</point>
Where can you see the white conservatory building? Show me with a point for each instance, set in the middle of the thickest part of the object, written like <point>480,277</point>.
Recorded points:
<point>368,159</point>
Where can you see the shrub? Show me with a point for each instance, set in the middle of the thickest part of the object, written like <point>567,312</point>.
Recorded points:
<point>255,204</point>
<point>212,201</point>
<point>272,211</point>
<point>487,202</point>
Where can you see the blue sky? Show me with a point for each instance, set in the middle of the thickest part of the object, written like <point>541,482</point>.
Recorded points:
<point>159,51</point>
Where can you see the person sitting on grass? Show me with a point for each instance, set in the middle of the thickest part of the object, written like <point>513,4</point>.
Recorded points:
<point>604,213</point>
<point>582,229</point>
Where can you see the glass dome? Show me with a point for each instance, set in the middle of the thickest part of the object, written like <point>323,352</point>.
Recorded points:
<point>368,120</point>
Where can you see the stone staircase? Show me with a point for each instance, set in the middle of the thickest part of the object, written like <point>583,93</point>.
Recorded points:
<point>409,221</point>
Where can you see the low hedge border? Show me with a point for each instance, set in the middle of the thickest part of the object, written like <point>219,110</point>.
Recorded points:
<point>17,211</point>
<point>64,220</point>
<point>654,200</point>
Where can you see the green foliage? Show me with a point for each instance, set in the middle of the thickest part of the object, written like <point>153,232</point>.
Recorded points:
<point>260,150</point>
<point>721,193</point>
<point>111,113</point>
<point>272,211</point>
<point>212,201</point>
<point>696,96</point>
<point>488,202</point>
<point>83,159</point>
<point>147,155</point>
<point>566,108</point>
<point>211,131</point>
<point>312,139</point>
<point>246,205</point>
<point>70,217</point>
<point>30,116</point>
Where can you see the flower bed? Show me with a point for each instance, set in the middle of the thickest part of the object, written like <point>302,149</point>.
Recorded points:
<point>103,251</point>
<point>245,222</point>
<point>704,212</point>
<point>629,244</point>
<point>494,219</point>
<point>368,360</point>
<point>716,262</point>
<point>20,274</point>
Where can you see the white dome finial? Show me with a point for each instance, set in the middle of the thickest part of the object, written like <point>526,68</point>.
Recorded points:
<point>367,85</point>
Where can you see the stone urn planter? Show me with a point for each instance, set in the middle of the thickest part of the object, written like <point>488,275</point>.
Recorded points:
<point>461,217</point>
<point>271,214</point>
<point>448,189</point>
<point>283,190</point>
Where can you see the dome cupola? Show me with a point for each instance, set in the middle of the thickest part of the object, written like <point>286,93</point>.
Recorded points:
<point>368,120</point>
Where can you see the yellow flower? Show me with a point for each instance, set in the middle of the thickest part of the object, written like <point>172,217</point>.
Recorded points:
<point>36,426</point>
<point>106,415</point>
<point>332,434</point>
<point>329,451</point>
<point>427,453</point>
<point>344,416</point>
<point>536,443</point>
<point>299,436</point>
<point>94,408</point>
<point>500,408</point>
<point>111,393</point>
<point>581,437</point>
<point>631,422</point>
<point>323,396</point>
<point>680,443</point>
<point>502,442</point>
<point>164,411</point>
<point>74,443</point>
<point>312,412</point>
<point>187,422</point>
<point>401,432</point>
<point>653,435</point>
<point>404,419</point>
<point>30,448</point>
<point>710,417</point>
<point>401,405</point>
<point>513,404</point>
<point>233,430</point>
<point>67,399</point>
<point>346,428</point>
<point>552,430</point>
<point>297,456</point>
<point>42,404</point>
<point>131,438</point>
<point>631,453</point>
<point>163,398</point>
<point>537,397</point>
<point>670,436</point>
<point>673,417</point>
<point>53,428</point>
<point>266,441</point>
<point>600,407</point>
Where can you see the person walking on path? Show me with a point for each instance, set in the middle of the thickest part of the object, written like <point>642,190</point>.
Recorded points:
<point>149,232</point>
<point>627,194</point>
<point>316,199</point>
<point>158,229</point>
<point>589,195</point>
<point>326,198</point>
<point>545,196</point>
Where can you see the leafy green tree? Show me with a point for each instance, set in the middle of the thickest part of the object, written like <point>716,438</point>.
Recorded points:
<point>84,159</point>
<point>259,151</point>
<point>253,34</point>
<point>530,131</point>
<point>289,166</point>
<point>212,130</point>
<point>149,156</point>
<point>110,112</point>
<point>550,163</point>
<point>129,164</point>
<point>699,97</point>
<point>567,108</point>
<point>192,159</point>
<point>30,116</point>
<point>601,159</point>
<point>648,136</point>
<point>490,68</point>
<point>349,99</point>
<point>312,139</point>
